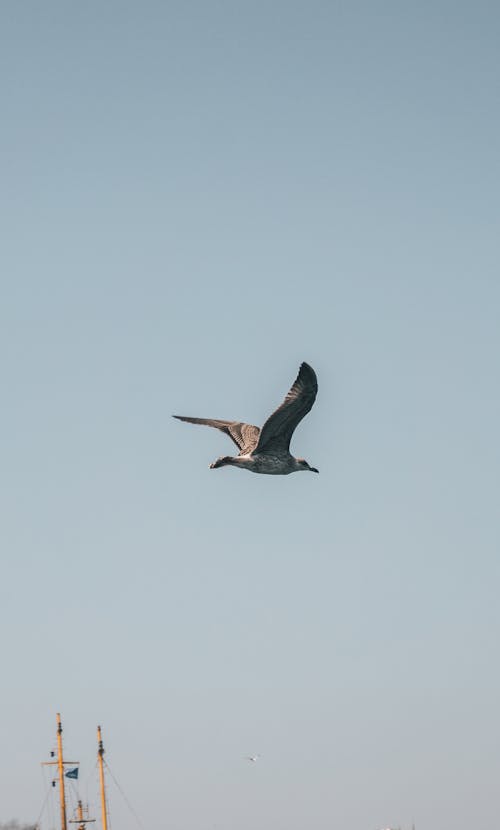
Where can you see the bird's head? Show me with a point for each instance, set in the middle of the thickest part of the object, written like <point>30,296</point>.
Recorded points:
<point>303,465</point>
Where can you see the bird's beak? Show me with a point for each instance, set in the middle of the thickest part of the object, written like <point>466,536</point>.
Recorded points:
<point>313,470</point>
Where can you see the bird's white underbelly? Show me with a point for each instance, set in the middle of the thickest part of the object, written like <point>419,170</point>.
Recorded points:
<point>265,464</point>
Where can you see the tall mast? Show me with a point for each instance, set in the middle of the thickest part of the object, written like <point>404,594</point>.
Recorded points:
<point>100,757</point>
<point>60,765</point>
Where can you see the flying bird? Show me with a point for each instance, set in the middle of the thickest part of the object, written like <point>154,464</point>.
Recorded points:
<point>252,758</point>
<point>267,449</point>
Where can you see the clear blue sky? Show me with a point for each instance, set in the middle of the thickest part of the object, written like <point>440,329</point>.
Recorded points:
<point>196,197</point>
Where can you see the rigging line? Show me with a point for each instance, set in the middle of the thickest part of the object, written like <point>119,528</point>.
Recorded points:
<point>44,803</point>
<point>127,802</point>
<point>72,795</point>
<point>42,808</point>
<point>52,806</point>
<point>86,782</point>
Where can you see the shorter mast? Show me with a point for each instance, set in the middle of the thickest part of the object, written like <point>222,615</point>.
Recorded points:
<point>80,820</point>
<point>100,760</point>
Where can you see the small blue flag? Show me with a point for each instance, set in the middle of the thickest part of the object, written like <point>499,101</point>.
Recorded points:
<point>72,773</point>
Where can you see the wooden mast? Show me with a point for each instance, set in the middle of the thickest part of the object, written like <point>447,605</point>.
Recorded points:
<point>80,820</point>
<point>60,766</point>
<point>60,763</point>
<point>100,759</point>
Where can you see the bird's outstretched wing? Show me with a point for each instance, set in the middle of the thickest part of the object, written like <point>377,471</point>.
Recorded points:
<point>245,436</point>
<point>278,429</point>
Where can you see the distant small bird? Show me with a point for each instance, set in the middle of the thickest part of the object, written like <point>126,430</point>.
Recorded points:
<point>252,758</point>
<point>266,450</point>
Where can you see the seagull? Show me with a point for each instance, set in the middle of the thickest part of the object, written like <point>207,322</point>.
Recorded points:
<point>266,450</point>
<point>252,758</point>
